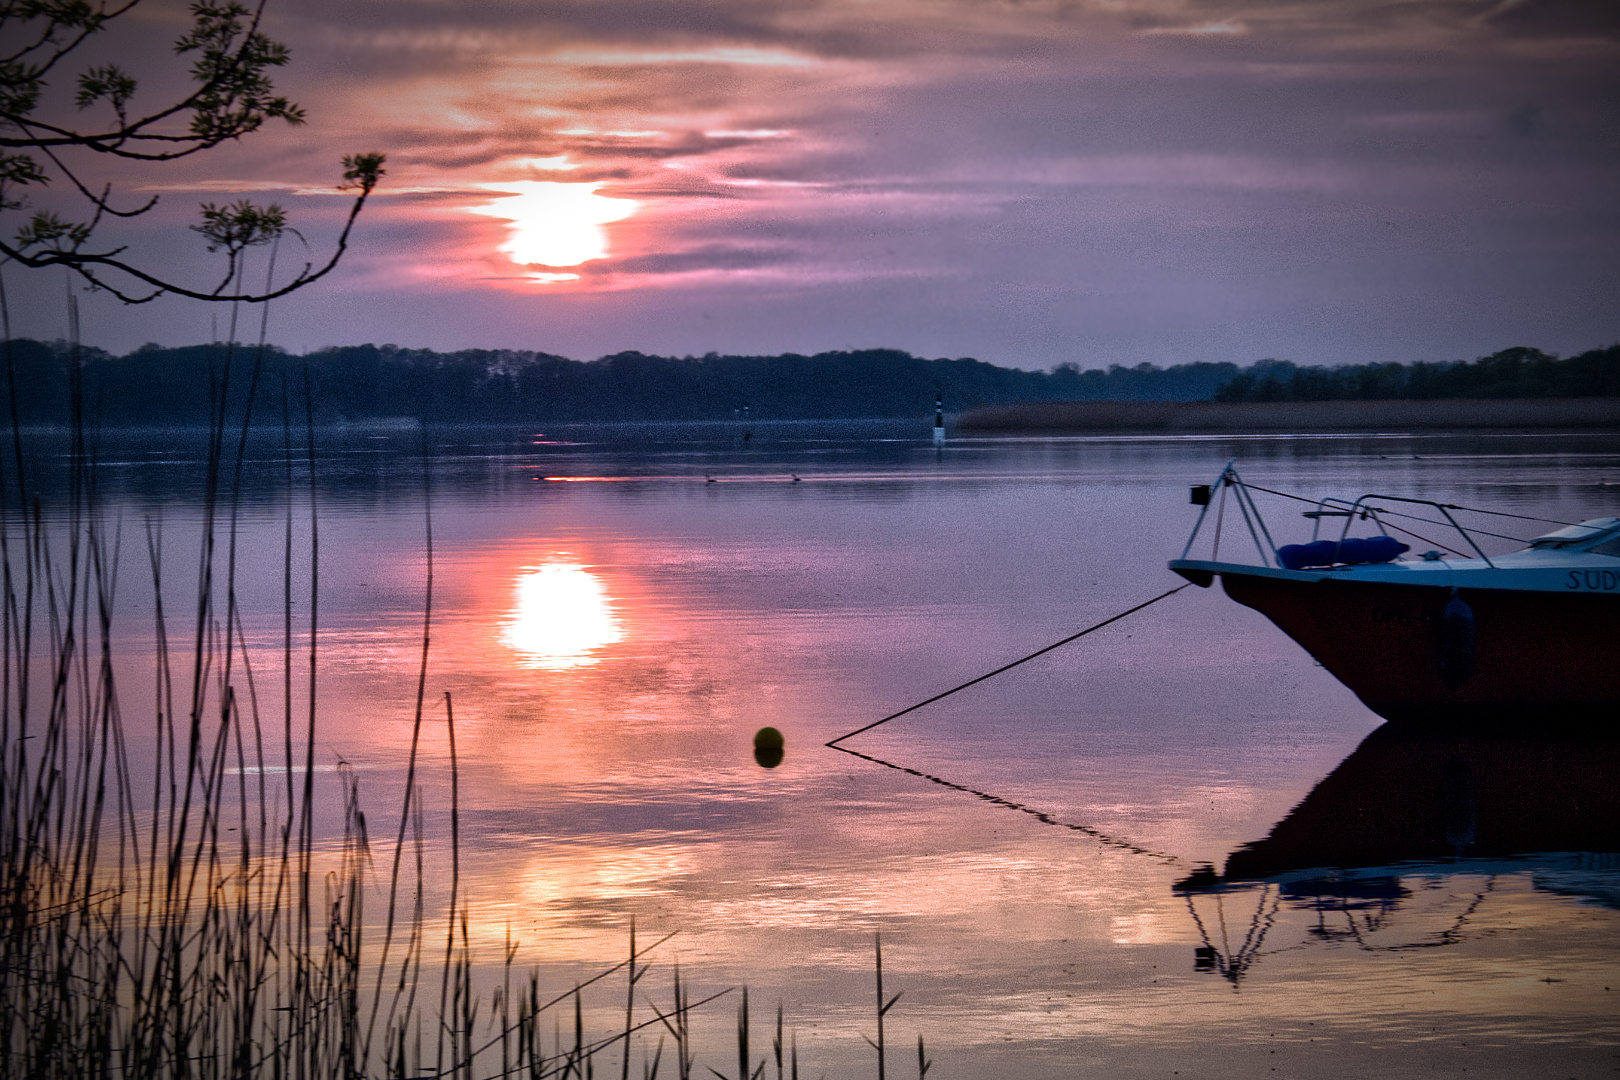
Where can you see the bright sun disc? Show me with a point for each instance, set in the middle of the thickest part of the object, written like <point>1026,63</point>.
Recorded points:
<point>552,223</point>
<point>562,614</point>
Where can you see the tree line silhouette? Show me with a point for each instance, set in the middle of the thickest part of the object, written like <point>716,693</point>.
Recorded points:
<point>1519,372</point>
<point>155,386</point>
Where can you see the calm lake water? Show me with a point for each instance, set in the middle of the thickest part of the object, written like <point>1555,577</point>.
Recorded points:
<point>616,611</point>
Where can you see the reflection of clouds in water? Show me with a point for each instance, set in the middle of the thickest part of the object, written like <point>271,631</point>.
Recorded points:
<point>561,615</point>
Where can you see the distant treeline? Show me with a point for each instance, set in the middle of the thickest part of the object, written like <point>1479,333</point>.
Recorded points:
<point>158,386</point>
<point>171,386</point>
<point>1519,372</point>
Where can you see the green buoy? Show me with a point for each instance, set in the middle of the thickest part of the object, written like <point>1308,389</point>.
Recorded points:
<point>768,747</point>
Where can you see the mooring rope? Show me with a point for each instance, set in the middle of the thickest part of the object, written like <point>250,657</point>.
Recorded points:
<point>1006,667</point>
<point>1039,815</point>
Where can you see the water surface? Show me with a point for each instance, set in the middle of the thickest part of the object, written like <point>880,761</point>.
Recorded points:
<point>617,610</point>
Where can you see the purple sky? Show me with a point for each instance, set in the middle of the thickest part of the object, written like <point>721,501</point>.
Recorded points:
<point>1098,181</point>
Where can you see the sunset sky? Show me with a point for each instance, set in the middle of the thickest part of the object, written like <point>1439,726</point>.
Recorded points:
<point>1097,181</point>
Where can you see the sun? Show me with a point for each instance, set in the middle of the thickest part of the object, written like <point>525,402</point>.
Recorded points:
<point>553,223</point>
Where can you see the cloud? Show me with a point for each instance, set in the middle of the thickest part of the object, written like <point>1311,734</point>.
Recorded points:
<point>1201,29</point>
<point>222,185</point>
<point>658,57</point>
<point>1580,19</point>
<point>718,257</point>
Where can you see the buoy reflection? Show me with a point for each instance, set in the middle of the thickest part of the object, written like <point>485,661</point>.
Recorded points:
<point>562,616</point>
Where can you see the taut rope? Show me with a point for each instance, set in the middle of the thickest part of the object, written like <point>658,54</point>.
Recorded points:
<point>1008,667</point>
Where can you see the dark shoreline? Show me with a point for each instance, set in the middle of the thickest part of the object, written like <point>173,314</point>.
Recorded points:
<point>1087,417</point>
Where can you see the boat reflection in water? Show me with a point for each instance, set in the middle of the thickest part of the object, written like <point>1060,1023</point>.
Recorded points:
<point>1410,807</point>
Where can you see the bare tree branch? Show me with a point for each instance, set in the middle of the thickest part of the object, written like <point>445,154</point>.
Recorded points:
<point>363,172</point>
<point>232,96</point>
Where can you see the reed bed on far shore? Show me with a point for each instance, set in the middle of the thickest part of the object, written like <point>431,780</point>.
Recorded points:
<point>184,917</point>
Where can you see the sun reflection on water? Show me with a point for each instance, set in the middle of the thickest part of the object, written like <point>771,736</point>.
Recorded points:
<point>560,617</point>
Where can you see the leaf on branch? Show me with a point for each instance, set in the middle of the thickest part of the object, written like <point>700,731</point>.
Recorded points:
<point>240,225</point>
<point>66,14</point>
<point>362,171</point>
<point>19,90</point>
<point>234,95</point>
<point>108,81</point>
<point>21,170</point>
<point>46,228</point>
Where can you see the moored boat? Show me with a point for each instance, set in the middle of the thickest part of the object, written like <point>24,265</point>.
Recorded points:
<point>1451,634</point>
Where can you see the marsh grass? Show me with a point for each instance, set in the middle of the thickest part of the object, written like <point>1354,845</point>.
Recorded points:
<point>184,916</point>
